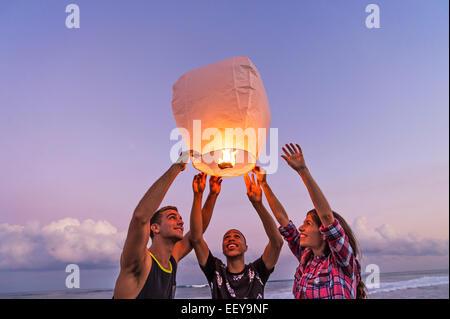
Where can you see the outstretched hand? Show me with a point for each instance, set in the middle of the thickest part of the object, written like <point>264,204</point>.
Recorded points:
<point>294,157</point>
<point>183,159</point>
<point>260,174</point>
<point>199,183</point>
<point>254,192</point>
<point>215,183</point>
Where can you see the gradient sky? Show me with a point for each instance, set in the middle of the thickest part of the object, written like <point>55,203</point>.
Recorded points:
<point>85,114</point>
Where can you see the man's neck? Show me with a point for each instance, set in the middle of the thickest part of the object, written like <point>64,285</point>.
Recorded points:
<point>162,250</point>
<point>235,265</point>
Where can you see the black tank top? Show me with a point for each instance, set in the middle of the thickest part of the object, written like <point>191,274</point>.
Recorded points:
<point>160,283</point>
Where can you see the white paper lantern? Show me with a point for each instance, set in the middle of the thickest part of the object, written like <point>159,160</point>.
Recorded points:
<point>223,115</point>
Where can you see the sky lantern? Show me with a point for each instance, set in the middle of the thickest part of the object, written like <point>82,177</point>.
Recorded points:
<point>223,115</point>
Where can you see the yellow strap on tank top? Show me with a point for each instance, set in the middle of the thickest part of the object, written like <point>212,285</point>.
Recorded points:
<point>162,268</point>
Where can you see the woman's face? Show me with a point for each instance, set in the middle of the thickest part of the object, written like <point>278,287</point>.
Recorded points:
<point>310,236</point>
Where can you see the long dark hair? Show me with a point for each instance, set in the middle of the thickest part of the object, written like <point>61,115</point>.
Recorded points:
<point>361,288</point>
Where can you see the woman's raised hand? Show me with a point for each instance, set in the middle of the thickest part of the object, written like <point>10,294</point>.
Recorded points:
<point>294,156</point>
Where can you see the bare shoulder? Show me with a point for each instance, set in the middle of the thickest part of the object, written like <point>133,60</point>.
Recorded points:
<point>132,279</point>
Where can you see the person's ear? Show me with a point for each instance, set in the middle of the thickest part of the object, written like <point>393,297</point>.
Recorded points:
<point>155,228</point>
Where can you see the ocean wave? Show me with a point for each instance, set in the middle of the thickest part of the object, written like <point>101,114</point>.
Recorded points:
<point>426,281</point>
<point>279,295</point>
<point>193,286</point>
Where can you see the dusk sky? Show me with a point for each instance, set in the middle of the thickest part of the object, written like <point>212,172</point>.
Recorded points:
<point>85,119</point>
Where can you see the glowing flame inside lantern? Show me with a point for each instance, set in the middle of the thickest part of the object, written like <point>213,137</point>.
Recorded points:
<point>228,159</point>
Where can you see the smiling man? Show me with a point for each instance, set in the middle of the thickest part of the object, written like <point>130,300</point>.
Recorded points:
<point>150,273</point>
<point>235,280</point>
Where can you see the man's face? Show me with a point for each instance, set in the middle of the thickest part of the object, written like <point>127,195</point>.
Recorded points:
<point>171,225</point>
<point>233,243</point>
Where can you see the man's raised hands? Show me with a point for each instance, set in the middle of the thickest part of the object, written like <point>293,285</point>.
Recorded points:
<point>254,191</point>
<point>199,183</point>
<point>215,183</point>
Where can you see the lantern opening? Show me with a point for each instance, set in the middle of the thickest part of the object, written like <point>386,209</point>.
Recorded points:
<point>228,159</point>
<point>216,163</point>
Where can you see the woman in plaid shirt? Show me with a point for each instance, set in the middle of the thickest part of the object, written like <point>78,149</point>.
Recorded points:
<point>324,245</point>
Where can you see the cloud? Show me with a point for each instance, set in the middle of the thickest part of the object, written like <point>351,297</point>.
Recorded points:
<point>384,240</point>
<point>98,244</point>
<point>88,243</point>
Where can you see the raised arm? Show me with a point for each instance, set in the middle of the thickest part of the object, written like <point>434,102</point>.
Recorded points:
<point>273,248</point>
<point>139,230</point>
<point>215,185</point>
<point>196,233</point>
<point>184,246</point>
<point>294,158</point>
<point>277,209</point>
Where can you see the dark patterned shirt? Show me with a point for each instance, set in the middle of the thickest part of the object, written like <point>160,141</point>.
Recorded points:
<point>248,284</point>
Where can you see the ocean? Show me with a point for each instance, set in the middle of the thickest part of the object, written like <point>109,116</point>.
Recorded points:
<point>430,284</point>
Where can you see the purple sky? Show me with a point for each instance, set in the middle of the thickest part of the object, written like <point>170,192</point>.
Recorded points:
<point>85,118</point>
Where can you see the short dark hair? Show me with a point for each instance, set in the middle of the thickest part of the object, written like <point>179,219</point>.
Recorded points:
<point>245,240</point>
<point>157,216</point>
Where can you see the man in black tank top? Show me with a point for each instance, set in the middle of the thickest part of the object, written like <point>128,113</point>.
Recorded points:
<point>151,272</point>
<point>160,282</point>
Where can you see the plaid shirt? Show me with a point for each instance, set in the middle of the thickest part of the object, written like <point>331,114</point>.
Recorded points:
<point>332,276</point>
